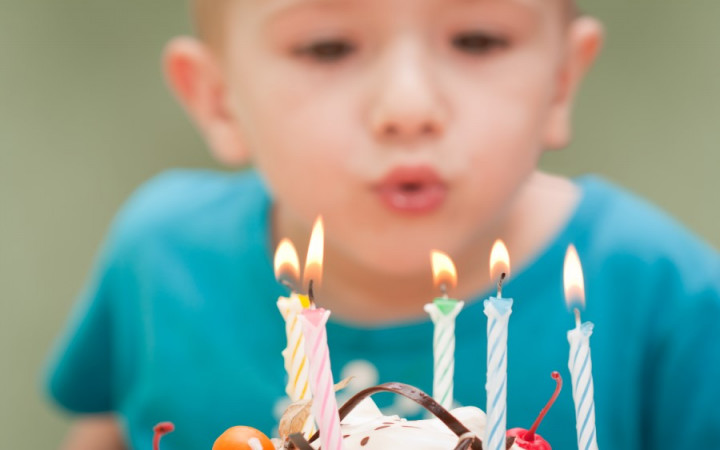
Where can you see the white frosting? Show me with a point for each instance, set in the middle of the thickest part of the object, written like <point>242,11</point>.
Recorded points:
<point>366,424</point>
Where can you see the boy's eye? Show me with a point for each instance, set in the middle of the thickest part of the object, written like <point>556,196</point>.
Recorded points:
<point>327,51</point>
<point>478,42</point>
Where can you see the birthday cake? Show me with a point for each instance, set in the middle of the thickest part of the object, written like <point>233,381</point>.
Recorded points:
<point>364,427</point>
<point>359,424</point>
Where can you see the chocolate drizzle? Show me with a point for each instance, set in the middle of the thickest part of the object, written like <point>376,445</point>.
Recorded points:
<point>298,441</point>
<point>468,441</point>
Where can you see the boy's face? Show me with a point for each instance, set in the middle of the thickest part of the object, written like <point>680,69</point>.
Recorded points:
<point>408,124</point>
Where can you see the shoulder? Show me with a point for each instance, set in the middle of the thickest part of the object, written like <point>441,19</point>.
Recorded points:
<point>623,224</point>
<point>188,207</point>
<point>631,240</point>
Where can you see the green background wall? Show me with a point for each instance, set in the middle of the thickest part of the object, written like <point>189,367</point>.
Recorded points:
<point>85,118</point>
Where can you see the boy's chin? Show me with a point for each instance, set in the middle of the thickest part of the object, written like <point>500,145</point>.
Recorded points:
<point>400,266</point>
<point>394,261</point>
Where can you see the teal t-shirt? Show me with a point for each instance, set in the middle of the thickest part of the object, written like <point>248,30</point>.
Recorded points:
<point>179,322</point>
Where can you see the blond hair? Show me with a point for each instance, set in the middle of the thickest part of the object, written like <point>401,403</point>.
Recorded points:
<point>207,18</point>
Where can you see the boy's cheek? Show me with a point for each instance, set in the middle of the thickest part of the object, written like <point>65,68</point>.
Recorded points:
<point>298,151</point>
<point>304,165</point>
<point>310,143</point>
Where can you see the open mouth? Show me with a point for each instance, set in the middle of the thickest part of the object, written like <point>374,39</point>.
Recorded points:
<point>412,190</point>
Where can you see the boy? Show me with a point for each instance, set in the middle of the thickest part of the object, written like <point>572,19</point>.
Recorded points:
<point>409,125</point>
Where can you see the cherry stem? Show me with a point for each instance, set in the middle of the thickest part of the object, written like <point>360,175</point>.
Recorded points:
<point>530,435</point>
<point>160,430</point>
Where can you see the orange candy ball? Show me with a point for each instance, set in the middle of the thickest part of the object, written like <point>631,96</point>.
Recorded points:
<point>237,438</point>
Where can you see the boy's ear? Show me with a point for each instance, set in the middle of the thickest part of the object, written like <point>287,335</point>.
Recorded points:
<point>195,77</point>
<point>585,41</point>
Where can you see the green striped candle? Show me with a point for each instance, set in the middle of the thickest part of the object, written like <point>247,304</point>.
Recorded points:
<point>443,311</point>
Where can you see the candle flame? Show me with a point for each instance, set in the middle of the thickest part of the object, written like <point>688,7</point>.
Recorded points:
<point>444,272</point>
<point>314,260</point>
<point>573,279</point>
<point>499,261</point>
<point>287,263</point>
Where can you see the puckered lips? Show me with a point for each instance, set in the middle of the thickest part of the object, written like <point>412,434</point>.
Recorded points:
<point>412,190</point>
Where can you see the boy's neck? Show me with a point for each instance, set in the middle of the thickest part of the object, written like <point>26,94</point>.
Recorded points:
<point>359,294</point>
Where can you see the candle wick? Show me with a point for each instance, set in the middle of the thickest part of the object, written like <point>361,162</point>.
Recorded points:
<point>577,318</point>
<point>500,285</point>
<point>443,290</point>
<point>311,293</point>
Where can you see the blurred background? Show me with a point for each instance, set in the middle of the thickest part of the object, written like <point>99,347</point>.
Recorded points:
<point>85,118</point>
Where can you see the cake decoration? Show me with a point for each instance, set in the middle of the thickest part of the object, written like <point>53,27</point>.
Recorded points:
<point>528,439</point>
<point>161,430</point>
<point>243,438</point>
<point>364,426</point>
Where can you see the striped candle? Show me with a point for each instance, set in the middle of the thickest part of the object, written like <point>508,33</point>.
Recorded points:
<point>443,312</point>
<point>579,360</point>
<point>498,311</point>
<point>296,366</point>
<point>580,365</point>
<point>324,404</point>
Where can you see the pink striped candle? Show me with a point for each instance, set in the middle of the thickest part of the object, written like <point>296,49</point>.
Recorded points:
<point>324,404</point>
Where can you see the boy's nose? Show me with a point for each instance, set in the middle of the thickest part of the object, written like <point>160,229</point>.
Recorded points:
<point>408,105</point>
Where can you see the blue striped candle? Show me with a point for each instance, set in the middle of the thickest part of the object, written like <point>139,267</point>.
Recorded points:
<point>579,362</point>
<point>497,310</point>
<point>580,365</point>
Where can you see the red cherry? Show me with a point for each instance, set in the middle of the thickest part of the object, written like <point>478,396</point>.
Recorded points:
<point>520,435</point>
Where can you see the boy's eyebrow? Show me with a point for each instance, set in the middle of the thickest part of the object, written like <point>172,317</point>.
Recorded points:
<point>531,4</point>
